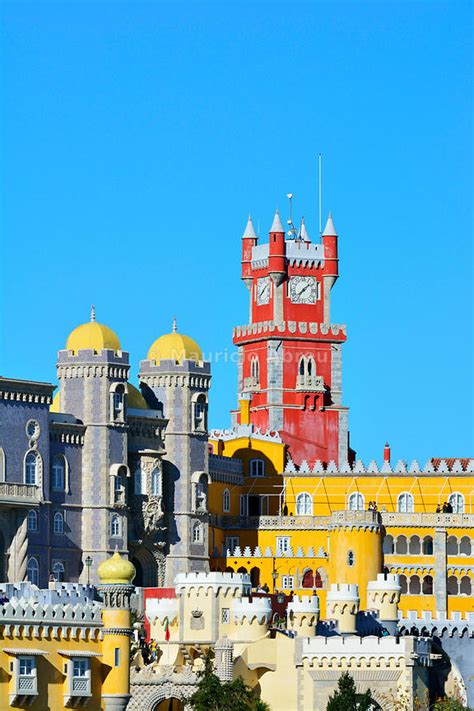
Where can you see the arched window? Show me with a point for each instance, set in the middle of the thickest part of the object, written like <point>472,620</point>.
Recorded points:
<point>257,467</point>
<point>350,558</point>
<point>117,402</point>
<point>427,585</point>
<point>115,525</point>
<point>3,466</point>
<point>255,371</point>
<point>31,468</point>
<point>465,546</point>
<point>58,473</point>
<point>452,546</point>
<point>226,501</point>
<point>58,523</point>
<point>32,520</point>
<point>427,545</point>
<point>401,545</point>
<point>356,501</point>
<point>414,587</point>
<point>304,504</point>
<point>255,577</point>
<point>156,482</point>
<point>32,571</point>
<point>319,579</point>
<point>197,532</point>
<point>310,368</point>
<point>388,547</point>
<point>139,482</point>
<point>414,546</point>
<point>58,571</point>
<point>405,503</point>
<point>457,502</point>
<point>465,586</point>
<point>452,585</point>
<point>302,367</point>
<point>403,584</point>
<point>308,579</point>
<point>200,413</point>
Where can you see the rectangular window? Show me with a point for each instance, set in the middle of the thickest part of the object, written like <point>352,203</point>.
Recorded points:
<point>243,505</point>
<point>26,666</point>
<point>231,543</point>
<point>225,615</point>
<point>283,544</point>
<point>117,656</point>
<point>257,467</point>
<point>80,668</point>
<point>287,582</point>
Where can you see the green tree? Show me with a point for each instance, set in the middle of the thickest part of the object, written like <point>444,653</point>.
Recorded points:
<point>214,695</point>
<point>449,705</point>
<point>347,699</point>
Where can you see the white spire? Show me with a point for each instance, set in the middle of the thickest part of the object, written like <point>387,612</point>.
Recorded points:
<point>303,233</point>
<point>330,230</point>
<point>92,312</point>
<point>174,327</point>
<point>249,230</point>
<point>276,226</point>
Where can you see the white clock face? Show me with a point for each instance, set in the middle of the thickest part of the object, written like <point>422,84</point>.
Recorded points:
<point>263,290</point>
<point>303,290</point>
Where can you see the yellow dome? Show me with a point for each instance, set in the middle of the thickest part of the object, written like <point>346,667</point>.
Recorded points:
<point>56,404</point>
<point>135,398</point>
<point>174,346</point>
<point>116,571</point>
<point>93,336</point>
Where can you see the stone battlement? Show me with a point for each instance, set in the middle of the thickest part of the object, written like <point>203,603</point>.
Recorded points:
<point>343,591</point>
<point>259,608</point>
<point>401,467</point>
<point>212,582</point>
<point>159,608</point>
<point>389,581</point>
<point>305,603</point>
<point>300,328</point>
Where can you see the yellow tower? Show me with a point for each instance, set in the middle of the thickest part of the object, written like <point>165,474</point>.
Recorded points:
<point>355,549</point>
<point>115,575</point>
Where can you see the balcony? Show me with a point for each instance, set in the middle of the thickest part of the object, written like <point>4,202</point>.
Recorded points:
<point>19,494</point>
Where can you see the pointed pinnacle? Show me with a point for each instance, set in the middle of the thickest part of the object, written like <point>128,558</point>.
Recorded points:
<point>330,230</point>
<point>304,232</point>
<point>92,312</point>
<point>174,327</point>
<point>249,232</point>
<point>276,226</point>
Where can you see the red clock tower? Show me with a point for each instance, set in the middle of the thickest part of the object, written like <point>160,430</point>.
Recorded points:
<point>290,355</point>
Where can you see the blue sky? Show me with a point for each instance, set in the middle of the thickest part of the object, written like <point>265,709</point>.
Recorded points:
<point>137,136</point>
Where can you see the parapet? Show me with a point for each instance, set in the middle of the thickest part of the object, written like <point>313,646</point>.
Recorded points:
<point>385,581</point>
<point>159,608</point>
<point>259,608</point>
<point>370,651</point>
<point>343,591</point>
<point>304,604</point>
<point>60,594</point>
<point>432,466</point>
<point>213,582</point>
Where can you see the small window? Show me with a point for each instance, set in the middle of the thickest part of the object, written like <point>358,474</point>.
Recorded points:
<point>32,520</point>
<point>118,402</point>
<point>26,666</point>
<point>283,544</point>
<point>226,501</point>
<point>231,543</point>
<point>200,414</point>
<point>350,558</point>
<point>457,502</point>
<point>58,473</point>
<point>58,571</point>
<point>115,525</point>
<point>356,501</point>
<point>139,487</point>
<point>156,482</point>
<point>304,505</point>
<point>32,571</point>
<point>197,533</point>
<point>243,505</point>
<point>225,615</point>
<point>31,468</point>
<point>80,668</point>
<point>287,582</point>
<point>405,503</point>
<point>117,656</point>
<point>257,467</point>
<point>58,523</point>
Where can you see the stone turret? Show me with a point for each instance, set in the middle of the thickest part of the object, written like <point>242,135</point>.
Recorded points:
<point>224,655</point>
<point>342,606</point>
<point>383,595</point>
<point>303,615</point>
<point>251,618</point>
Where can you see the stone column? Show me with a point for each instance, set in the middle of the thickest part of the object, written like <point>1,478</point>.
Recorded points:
<point>18,552</point>
<point>440,563</point>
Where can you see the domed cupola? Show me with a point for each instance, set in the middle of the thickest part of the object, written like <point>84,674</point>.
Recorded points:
<point>175,346</point>
<point>92,336</point>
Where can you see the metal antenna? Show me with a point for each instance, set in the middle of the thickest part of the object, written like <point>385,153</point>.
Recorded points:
<point>320,193</point>
<point>292,231</point>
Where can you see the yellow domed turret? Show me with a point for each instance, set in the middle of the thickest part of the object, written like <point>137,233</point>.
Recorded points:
<point>135,398</point>
<point>94,336</point>
<point>116,571</point>
<point>174,346</point>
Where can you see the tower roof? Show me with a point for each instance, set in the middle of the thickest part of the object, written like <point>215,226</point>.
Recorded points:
<point>303,234</point>
<point>276,225</point>
<point>116,570</point>
<point>174,346</point>
<point>94,336</point>
<point>330,229</point>
<point>249,232</point>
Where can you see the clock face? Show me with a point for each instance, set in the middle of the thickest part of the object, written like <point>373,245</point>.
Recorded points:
<point>263,290</point>
<point>303,290</point>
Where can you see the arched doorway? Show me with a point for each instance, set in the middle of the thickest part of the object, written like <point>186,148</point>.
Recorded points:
<point>146,567</point>
<point>169,705</point>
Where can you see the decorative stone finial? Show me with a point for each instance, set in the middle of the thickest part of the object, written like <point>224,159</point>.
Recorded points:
<point>303,234</point>
<point>174,327</point>
<point>92,312</point>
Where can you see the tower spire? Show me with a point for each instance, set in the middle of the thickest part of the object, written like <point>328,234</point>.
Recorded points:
<point>330,229</point>
<point>174,327</point>
<point>276,225</point>
<point>303,233</point>
<point>92,313</point>
<point>249,232</point>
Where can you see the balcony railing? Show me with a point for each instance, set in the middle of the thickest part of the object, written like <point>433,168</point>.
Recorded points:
<point>18,494</point>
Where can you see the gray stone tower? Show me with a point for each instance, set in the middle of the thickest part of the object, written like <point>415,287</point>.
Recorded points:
<point>92,373</point>
<point>176,377</point>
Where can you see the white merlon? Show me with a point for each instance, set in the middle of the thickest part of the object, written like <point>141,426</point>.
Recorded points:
<point>249,232</point>
<point>330,230</point>
<point>305,603</point>
<point>159,608</point>
<point>389,581</point>
<point>259,608</point>
<point>343,591</point>
<point>184,581</point>
<point>276,224</point>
